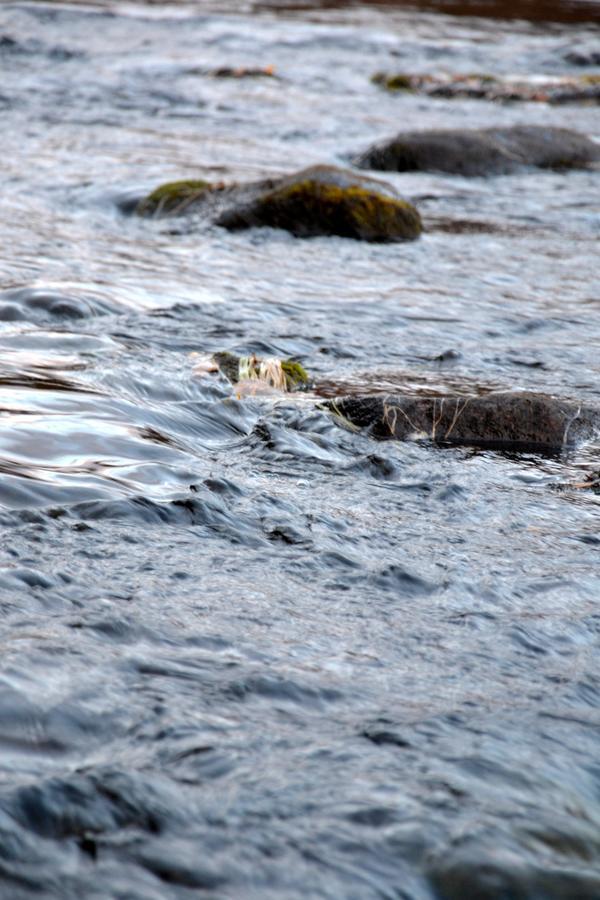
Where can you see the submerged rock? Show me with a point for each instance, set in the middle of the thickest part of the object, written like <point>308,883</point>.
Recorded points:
<point>486,151</point>
<point>320,200</point>
<point>476,86</point>
<point>173,197</point>
<point>244,72</point>
<point>525,421</point>
<point>283,374</point>
<point>583,57</point>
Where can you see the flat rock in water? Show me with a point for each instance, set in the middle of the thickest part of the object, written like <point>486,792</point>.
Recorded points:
<point>499,89</point>
<point>320,200</point>
<point>517,421</point>
<point>485,151</point>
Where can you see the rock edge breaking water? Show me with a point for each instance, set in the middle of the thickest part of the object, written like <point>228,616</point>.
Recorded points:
<point>509,420</point>
<point>540,89</point>
<point>502,419</point>
<point>319,200</point>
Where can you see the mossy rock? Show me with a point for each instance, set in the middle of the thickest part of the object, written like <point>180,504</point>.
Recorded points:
<point>172,197</point>
<point>489,151</point>
<point>509,421</point>
<point>320,200</point>
<point>397,82</point>
<point>324,200</point>
<point>478,85</point>
<point>295,375</point>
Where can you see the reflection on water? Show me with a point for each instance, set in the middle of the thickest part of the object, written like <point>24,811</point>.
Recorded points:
<point>247,652</point>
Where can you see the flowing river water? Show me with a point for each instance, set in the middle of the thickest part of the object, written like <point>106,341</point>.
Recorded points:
<point>245,652</point>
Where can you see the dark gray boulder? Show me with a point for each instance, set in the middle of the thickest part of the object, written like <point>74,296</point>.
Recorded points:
<point>485,151</point>
<point>583,57</point>
<point>517,421</point>
<point>320,200</point>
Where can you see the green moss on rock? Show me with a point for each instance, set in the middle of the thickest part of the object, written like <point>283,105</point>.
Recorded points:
<point>295,374</point>
<point>315,206</point>
<point>319,200</point>
<point>398,82</point>
<point>172,197</point>
<point>235,368</point>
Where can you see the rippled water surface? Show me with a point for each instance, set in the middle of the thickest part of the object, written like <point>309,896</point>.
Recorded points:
<point>247,653</point>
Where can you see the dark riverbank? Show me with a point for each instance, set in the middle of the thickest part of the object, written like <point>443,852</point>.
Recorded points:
<point>565,11</point>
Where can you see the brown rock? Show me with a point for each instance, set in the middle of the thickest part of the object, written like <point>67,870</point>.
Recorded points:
<point>509,420</point>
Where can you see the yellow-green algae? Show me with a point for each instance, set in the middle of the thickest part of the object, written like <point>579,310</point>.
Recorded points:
<point>315,207</point>
<point>172,197</point>
<point>399,82</point>
<point>295,374</point>
<point>237,368</point>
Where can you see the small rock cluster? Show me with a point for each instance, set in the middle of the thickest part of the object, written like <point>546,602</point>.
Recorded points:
<point>328,200</point>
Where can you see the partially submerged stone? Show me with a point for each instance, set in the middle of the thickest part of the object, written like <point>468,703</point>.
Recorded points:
<point>324,200</point>
<point>173,197</point>
<point>244,72</point>
<point>320,200</point>
<point>397,81</point>
<point>282,374</point>
<point>485,151</point>
<point>583,57</point>
<point>551,89</point>
<point>518,421</point>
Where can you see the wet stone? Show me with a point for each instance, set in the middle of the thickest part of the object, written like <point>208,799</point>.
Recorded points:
<point>510,420</point>
<point>482,151</point>
<point>477,86</point>
<point>583,57</point>
<point>319,200</point>
<point>173,197</point>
